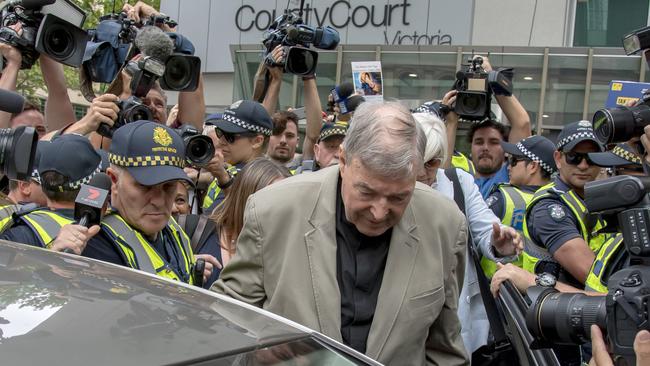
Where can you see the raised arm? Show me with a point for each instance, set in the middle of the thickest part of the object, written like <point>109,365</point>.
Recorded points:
<point>313,112</point>
<point>58,108</point>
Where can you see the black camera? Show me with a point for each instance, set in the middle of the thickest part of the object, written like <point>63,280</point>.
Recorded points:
<point>17,151</point>
<point>289,31</point>
<point>565,318</point>
<point>612,125</point>
<point>199,149</point>
<point>51,27</point>
<point>475,88</point>
<point>131,110</point>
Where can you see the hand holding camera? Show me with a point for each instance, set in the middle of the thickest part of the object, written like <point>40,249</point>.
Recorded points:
<point>102,111</point>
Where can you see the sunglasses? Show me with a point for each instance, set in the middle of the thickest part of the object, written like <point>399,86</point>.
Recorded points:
<point>231,137</point>
<point>513,160</point>
<point>575,158</point>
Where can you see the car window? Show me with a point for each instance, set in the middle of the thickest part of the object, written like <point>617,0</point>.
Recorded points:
<point>306,351</point>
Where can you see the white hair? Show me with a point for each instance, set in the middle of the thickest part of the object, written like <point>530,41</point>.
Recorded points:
<point>384,137</point>
<point>436,136</point>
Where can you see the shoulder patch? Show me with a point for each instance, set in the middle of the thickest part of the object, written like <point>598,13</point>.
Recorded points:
<point>491,200</point>
<point>556,211</point>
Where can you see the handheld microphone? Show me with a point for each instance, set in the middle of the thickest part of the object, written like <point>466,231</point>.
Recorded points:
<point>11,102</point>
<point>91,199</point>
<point>342,91</point>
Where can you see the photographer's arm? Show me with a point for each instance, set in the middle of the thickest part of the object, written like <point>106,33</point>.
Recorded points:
<point>523,279</point>
<point>451,124</point>
<point>58,108</point>
<point>9,76</point>
<point>272,96</point>
<point>103,109</point>
<point>191,106</point>
<point>314,118</point>
<point>514,111</point>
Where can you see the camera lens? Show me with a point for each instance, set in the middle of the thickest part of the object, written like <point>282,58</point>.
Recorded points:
<point>301,61</point>
<point>15,145</point>
<point>199,150</point>
<point>613,125</point>
<point>178,73</point>
<point>564,318</point>
<point>59,42</point>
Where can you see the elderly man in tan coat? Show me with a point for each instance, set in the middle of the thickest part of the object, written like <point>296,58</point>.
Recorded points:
<point>359,251</point>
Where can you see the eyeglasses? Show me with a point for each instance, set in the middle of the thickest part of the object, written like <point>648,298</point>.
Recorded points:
<point>513,160</point>
<point>575,158</point>
<point>231,137</point>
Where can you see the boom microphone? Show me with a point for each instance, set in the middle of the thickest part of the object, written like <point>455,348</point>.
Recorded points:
<point>153,42</point>
<point>91,199</point>
<point>11,102</point>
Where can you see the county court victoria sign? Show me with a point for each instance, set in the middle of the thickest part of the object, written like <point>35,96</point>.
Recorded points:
<point>401,22</point>
<point>215,25</point>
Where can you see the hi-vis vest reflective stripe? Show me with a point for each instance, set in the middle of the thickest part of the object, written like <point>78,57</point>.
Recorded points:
<point>533,251</point>
<point>214,190</point>
<point>516,201</point>
<point>458,160</point>
<point>6,218</point>
<point>46,224</point>
<point>141,255</point>
<point>595,280</point>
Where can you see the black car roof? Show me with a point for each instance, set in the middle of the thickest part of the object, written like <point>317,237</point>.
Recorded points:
<point>67,310</point>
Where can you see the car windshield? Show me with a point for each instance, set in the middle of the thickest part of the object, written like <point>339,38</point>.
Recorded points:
<point>306,351</point>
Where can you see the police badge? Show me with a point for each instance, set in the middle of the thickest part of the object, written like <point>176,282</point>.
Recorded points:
<point>556,211</point>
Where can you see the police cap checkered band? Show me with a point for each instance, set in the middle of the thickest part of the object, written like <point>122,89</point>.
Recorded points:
<point>142,161</point>
<point>584,135</point>
<point>73,186</point>
<point>627,155</point>
<point>243,124</point>
<point>341,131</point>
<point>530,155</point>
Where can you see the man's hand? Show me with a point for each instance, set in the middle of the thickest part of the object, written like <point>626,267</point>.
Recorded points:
<point>600,354</point>
<point>103,109</point>
<point>519,277</point>
<point>210,263</point>
<point>139,10</point>
<point>73,237</point>
<point>486,63</point>
<point>217,168</point>
<point>506,240</point>
<point>279,57</point>
<point>11,54</point>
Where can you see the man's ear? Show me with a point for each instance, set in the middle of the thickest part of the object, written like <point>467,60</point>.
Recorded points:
<point>24,188</point>
<point>557,156</point>
<point>341,155</point>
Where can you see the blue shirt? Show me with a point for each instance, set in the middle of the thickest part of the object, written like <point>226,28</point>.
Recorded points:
<point>485,184</point>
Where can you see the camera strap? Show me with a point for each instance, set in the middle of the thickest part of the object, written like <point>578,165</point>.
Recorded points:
<point>501,340</point>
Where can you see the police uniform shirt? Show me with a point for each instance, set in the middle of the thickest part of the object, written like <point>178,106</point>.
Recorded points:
<point>485,185</point>
<point>101,247</point>
<point>551,222</point>
<point>20,232</point>
<point>497,203</point>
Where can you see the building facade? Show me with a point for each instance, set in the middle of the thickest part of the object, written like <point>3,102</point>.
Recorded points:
<point>564,52</point>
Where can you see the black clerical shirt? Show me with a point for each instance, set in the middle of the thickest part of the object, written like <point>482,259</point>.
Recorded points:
<point>359,271</point>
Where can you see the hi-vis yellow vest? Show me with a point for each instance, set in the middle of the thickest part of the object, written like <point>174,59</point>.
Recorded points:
<point>214,190</point>
<point>534,251</point>
<point>458,160</point>
<point>139,254</point>
<point>516,201</point>
<point>46,224</point>
<point>596,280</point>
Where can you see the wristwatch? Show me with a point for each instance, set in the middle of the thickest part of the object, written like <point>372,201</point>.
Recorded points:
<point>545,280</point>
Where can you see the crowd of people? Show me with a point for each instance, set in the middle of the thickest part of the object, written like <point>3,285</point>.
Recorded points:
<point>366,236</point>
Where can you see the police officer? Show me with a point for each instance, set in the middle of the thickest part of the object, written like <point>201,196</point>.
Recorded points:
<point>147,162</point>
<point>530,164</point>
<point>244,131</point>
<point>557,224</point>
<point>24,195</point>
<point>326,149</point>
<point>65,164</point>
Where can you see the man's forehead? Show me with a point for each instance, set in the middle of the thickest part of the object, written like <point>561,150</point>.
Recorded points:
<point>586,146</point>
<point>487,132</point>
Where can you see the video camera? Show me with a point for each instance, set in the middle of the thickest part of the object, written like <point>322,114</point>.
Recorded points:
<point>475,87</point>
<point>51,27</point>
<point>199,149</point>
<point>565,318</point>
<point>289,31</point>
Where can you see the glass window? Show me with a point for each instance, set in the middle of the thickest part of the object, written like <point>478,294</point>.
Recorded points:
<point>300,352</point>
<point>415,78</point>
<point>605,69</point>
<point>350,56</point>
<point>246,66</point>
<point>325,78</point>
<point>565,90</point>
<point>605,22</point>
